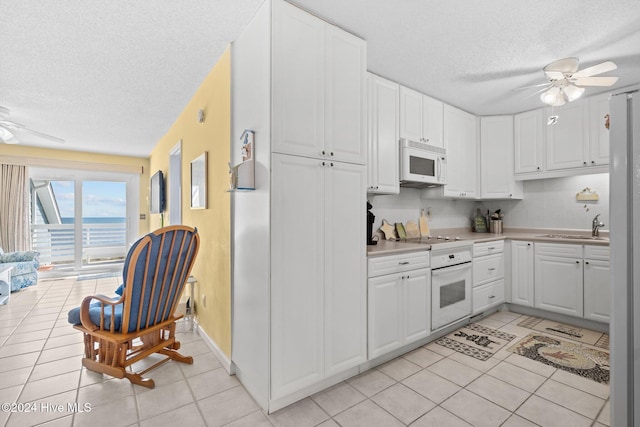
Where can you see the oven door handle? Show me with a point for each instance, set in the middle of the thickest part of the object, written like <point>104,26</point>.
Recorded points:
<point>447,270</point>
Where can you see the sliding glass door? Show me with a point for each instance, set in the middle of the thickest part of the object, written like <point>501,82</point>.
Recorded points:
<point>83,220</point>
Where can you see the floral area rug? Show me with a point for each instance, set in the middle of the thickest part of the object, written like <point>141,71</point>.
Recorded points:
<point>566,355</point>
<point>476,341</point>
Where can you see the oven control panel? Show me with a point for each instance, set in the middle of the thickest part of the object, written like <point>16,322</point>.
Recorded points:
<point>449,258</point>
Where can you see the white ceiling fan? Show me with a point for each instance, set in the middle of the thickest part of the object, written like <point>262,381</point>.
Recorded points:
<point>567,84</point>
<point>9,130</point>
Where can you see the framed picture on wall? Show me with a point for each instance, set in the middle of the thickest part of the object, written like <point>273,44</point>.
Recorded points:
<point>199,182</point>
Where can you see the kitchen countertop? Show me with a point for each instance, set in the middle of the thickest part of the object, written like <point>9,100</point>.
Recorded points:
<point>389,247</point>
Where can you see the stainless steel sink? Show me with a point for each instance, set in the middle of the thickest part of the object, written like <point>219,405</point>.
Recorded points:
<point>572,236</point>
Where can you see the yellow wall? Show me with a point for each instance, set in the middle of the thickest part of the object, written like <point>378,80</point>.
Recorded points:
<point>61,157</point>
<point>212,268</point>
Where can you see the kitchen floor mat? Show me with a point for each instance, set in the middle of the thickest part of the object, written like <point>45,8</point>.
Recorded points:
<point>476,341</point>
<point>574,333</point>
<point>566,355</point>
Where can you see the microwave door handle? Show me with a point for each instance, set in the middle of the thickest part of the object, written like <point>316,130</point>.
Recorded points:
<point>439,169</point>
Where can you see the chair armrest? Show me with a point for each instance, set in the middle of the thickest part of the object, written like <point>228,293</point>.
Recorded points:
<point>19,256</point>
<point>85,318</point>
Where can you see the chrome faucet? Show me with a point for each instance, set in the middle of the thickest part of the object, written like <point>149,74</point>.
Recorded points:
<point>595,226</point>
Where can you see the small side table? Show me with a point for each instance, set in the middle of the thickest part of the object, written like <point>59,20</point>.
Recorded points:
<point>190,311</point>
<point>5,284</point>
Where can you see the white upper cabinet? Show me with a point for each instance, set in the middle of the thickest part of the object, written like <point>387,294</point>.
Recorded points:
<point>432,121</point>
<point>460,141</point>
<point>319,85</point>
<point>410,114</point>
<point>568,139</point>
<point>383,134</point>
<point>599,130</point>
<point>421,117</point>
<point>496,159</point>
<point>345,102</point>
<point>298,81</point>
<point>529,134</point>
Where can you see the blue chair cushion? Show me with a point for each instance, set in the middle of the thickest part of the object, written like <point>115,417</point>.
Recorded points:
<point>94,313</point>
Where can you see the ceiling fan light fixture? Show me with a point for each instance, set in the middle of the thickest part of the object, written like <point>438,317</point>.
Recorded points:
<point>553,97</point>
<point>573,92</point>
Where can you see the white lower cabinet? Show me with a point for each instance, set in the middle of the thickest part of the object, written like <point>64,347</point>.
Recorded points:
<point>488,275</point>
<point>399,303</point>
<point>318,276</point>
<point>522,267</point>
<point>559,278</point>
<point>488,296</point>
<point>597,284</point>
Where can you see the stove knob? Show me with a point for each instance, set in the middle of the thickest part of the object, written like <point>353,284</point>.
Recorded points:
<point>457,238</point>
<point>439,237</point>
<point>446,238</point>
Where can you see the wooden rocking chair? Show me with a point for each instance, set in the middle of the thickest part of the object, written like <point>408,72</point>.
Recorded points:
<point>119,332</point>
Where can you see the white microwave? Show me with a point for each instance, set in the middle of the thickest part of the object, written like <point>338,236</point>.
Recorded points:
<point>422,165</point>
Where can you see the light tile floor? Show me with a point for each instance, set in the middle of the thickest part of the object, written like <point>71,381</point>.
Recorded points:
<point>40,370</point>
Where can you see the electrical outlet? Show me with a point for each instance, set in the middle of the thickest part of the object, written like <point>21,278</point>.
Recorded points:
<point>204,300</point>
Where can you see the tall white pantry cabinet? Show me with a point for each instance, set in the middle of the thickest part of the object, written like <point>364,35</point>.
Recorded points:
<point>299,240</point>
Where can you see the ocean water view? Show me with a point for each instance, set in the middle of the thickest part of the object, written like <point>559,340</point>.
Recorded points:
<point>96,220</point>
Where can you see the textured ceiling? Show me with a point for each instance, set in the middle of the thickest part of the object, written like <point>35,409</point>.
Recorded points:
<point>113,76</point>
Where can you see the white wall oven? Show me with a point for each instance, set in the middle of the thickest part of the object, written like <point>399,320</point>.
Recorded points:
<point>450,284</point>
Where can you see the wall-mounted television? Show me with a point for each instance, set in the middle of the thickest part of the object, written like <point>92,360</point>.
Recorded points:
<point>157,199</point>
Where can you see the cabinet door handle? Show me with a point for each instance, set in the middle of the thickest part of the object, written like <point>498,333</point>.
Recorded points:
<point>323,152</point>
<point>584,163</point>
<point>491,269</point>
<point>331,153</point>
<point>331,164</point>
<point>491,248</point>
<point>323,163</point>
<point>528,244</point>
<point>404,263</point>
<point>538,168</point>
<point>577,262</point>
<point>492,296</point>
<point>586,262</point>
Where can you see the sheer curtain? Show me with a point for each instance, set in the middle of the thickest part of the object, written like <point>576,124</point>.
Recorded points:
<point>14,208</point>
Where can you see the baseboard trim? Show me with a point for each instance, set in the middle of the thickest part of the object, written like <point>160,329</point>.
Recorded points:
<point>219,354</point>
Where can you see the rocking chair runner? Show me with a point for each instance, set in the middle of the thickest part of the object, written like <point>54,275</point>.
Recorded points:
<point>119,332</point>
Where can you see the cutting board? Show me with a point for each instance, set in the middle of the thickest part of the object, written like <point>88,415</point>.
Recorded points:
<point>388,230</point>
<point>424,224</point>
<point>412,230</point>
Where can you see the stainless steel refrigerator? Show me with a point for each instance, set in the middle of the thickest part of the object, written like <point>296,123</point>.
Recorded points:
<point>625,257</point>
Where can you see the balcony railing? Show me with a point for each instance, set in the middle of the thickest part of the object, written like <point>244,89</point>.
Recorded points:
<point>100,243</point>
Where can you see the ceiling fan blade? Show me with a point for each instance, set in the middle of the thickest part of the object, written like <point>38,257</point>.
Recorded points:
<point>596,81</point>
<point>4,112</point>
<point>596,69</point>
<point>539,91</point>
<point>43,135</point>
<point>13,127</point>
<point>566,65</point>
<point>532,86</point>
